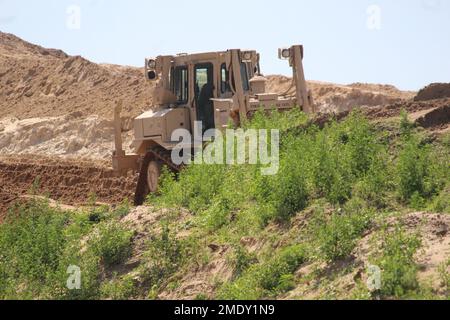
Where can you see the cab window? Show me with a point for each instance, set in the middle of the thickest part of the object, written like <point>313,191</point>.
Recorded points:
<point>224,79</point>
<point>244,75</point>
<point>180,84</point>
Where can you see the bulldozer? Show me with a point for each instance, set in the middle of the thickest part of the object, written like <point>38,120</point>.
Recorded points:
<point>218,89</point>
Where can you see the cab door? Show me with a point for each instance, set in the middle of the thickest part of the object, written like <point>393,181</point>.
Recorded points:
<point>204,91</point>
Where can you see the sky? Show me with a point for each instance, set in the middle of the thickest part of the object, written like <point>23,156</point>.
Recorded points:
<point>401,42</point>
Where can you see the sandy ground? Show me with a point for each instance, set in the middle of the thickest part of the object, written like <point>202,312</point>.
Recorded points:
<point>68,136</point>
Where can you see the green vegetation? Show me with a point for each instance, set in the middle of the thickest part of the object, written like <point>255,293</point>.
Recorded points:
<point>268,278</point>
<point>396,260</point>
<point>336,236</point>
<point>39,243</point>
<point>333,188</point>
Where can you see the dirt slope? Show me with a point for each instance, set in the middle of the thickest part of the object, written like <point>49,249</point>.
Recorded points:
<point>68,181</point>
<point>66,136</point>
<point>330,97</point>
<point>434,91</point>
<point>39,82</point>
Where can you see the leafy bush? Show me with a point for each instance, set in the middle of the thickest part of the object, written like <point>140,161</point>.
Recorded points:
<point>337,235</point>
<point>119,288</point>
<point>412,169</point>
<point>112,242</point>
<point>422,172</point>
<point>31,243</point>
<point>285,192</point>
<point>441,203</point>
<point>162,259</point>
<point>396,260</point>
<point>268,278</point>
<point>242,260</point>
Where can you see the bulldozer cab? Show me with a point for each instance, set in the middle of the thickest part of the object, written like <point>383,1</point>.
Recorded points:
<point>195,81</point>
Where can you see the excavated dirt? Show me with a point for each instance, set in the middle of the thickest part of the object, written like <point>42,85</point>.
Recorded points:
<point>433,115</point>
<point>330,97</point>
<point>65,136</point>
<point>434,91</point>
<point>69,181</point>
<point>38,82</point>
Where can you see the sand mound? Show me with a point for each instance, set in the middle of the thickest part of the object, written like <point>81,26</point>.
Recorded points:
<point>331,97</point>
<point>434,91</point>
<point>39,82</point>
<point>67,136</point>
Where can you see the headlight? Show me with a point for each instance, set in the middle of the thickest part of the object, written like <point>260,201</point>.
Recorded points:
<point>151,64</point>
<point>246,56</point>
<point>284,53</point>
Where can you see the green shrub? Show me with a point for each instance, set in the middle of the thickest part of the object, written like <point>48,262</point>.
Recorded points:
<point>112,242</point>
<point>406,126</point>
<point>163,257</point>
<point>31,243</point>
<point>396,260</point>
<point>119,288</point>
<point>267,278</point>
<point>90,267</point>
<point>285,192</point>
<point>242,260</point>
<point>412,169</point>
<point>285,263</point>
<point>376,184</point>
<point>441,203</point>
<point>338,234</point>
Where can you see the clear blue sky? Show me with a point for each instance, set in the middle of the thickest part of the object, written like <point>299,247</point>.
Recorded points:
<point>401,42</point>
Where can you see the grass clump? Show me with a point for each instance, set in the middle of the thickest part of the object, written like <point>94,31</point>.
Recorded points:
<point>337,235</point>
<point>111,241</point>
<point>266,279</point>
<point>396,261</point>
<point>163,257</point>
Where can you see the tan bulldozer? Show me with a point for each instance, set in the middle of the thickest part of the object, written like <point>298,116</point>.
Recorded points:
<point>218,89</point>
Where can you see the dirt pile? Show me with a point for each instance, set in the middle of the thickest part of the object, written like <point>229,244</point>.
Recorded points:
<point>69,181</point>
<point>66,136</point>
<point>432,115</point>
<point>331,97</point>
<point>39,82</point>
<point>433,91</point>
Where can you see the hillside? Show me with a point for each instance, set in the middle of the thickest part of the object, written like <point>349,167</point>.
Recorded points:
<point>39,82</point>
<point>347,197</point>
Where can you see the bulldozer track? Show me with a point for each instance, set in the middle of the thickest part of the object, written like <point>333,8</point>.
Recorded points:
<point>160,154</point>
